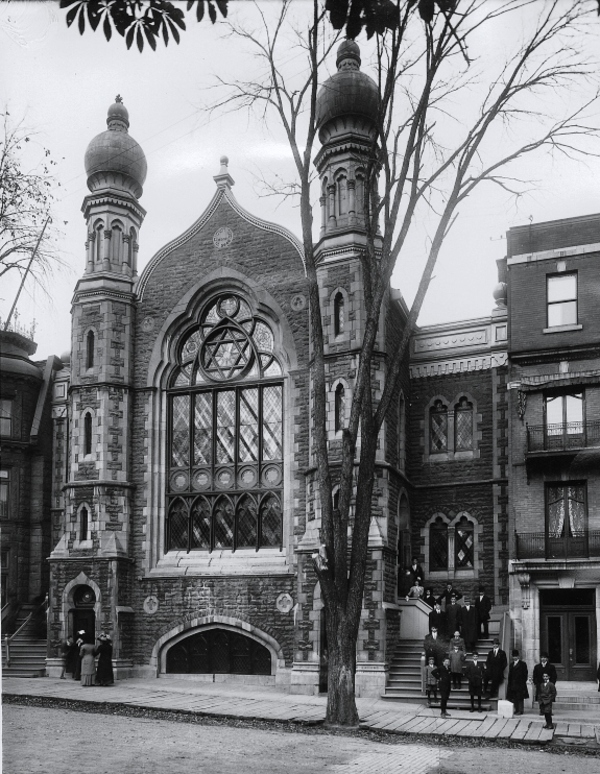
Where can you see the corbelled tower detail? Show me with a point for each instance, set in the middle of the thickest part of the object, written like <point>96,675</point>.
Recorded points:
<point>98,492</point>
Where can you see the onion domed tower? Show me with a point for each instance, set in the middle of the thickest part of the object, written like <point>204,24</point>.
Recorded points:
<point>97,521</point>
<point>347,115</point>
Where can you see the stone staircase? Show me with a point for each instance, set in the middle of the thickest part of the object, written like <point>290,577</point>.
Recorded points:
<point>27,652</point>
<point>404,678</point>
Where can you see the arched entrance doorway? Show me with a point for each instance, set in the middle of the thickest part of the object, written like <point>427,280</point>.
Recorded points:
<point>218,651</point>
<point>82,615</point>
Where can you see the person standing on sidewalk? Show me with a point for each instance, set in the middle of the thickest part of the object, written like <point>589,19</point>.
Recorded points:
<point>88,663</point>
<point>516,686</point>
<point>430,681</point>
<point>495,665</point>
<point>546,696</point>
<point>442,674</point>
<point>538,673</point>
<point>104,669</point>
<point>475,671</point>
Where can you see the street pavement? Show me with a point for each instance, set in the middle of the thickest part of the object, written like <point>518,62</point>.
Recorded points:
<point>254,702</point>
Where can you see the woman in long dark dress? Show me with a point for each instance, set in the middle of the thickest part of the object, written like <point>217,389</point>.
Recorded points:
<point>88,664</point>
<point>104,670</point>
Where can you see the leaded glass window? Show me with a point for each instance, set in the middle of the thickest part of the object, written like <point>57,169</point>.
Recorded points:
<point>463,425</point>
<point>438,545</point>
<point>464,545</point>
<point>225,486</point>
<point>438,428</point>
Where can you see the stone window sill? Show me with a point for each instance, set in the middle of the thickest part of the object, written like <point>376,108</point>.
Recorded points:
<point>563,328</point>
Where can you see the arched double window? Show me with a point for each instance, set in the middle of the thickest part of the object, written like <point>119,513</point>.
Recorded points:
<point>452,542</point>
<point>225,484</point>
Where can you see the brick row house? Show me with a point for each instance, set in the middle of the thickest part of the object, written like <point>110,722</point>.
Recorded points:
<point>186,512</point>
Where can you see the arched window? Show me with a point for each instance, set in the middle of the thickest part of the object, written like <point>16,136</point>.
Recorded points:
<point>116,243</point>
<point>225,485</point>
<point>131,248</point>
<point>438,428</point>
<point>340,407</point>
<point>338,314</point>
<point>438,545</point>
<point>83,523</point>
<point>342,195</point>
<point>90,343</point>
<point>87,434</point>
<point>98,229</point>
<point>463,425</point>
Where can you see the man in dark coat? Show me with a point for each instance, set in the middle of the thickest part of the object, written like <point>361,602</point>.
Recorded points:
<point>469,625</point>
<point>516,685</point>
<point>483,605</point>
<point>538,673</point>
<point>446,596</point>
<point>475,672</point>
<point>437,620</point>
<point>416,571</point>
<point>453,615</point>
<point>436,646</point>
<point>494,669</point>
<point>442,673</point>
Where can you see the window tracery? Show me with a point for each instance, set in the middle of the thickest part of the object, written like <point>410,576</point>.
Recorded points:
<point>225,484</point>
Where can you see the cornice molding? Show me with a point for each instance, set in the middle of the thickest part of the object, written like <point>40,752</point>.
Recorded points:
<point>452,366</point>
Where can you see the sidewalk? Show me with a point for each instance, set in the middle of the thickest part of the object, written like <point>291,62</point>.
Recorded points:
<point>254,702</point>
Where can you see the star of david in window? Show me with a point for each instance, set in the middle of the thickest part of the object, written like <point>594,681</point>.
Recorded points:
<point>227,353</point>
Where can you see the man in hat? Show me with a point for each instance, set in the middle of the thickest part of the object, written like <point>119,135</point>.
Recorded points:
<point>453,614</point>
<point>494,669</point>
<point>442,674</point>
<point>469,624</point>
<point>434,645</point>
<point>483,605</point>
<point>516,685</point>
<point>475,672</point>
<point>538,673</point>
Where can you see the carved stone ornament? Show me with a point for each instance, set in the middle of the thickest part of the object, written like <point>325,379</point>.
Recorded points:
<point>284,603</point>
<point>524,580</point>
<point>150,605</point>
<point>222,237</point>
<point>521,404</point>
<point>147,324</point>
<point>298,302</point>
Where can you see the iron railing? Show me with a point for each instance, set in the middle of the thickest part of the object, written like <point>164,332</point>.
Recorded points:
<point>563,436</point>
<point>541,545</point>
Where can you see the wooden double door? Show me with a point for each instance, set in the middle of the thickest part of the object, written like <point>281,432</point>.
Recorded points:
<point>568,633</point>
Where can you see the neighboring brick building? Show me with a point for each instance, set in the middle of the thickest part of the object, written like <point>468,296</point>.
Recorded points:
<point>553,279</point>
<point>186,505</point>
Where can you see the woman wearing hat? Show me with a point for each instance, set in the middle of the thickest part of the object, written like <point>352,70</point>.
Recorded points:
<point>88,664</point>
<point>79,641</point>
<point>104,670</point>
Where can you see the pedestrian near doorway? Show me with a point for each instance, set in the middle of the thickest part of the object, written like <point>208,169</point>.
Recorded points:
<point>546,697</point>
<point>88,664</point>
<point>104,669</point>
<point>79,641</point>
<point>538,673</point>
<point>516,686</point>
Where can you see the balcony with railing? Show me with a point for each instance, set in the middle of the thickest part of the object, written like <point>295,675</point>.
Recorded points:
<point>566,437</point>
<point>585,544</point>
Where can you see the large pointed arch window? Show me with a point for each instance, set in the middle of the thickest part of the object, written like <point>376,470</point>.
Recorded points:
<point>225,485</point>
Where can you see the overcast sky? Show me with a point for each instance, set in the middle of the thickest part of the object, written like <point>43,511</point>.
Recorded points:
<point>61,85</point>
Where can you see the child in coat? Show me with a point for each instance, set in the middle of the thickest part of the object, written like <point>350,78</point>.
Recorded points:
<point>430,681</point>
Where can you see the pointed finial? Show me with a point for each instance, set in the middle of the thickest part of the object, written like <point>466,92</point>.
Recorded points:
<point>119,98</point>
<point>224,179</point>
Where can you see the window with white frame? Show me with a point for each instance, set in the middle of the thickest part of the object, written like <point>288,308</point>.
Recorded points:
<point>562,299</point>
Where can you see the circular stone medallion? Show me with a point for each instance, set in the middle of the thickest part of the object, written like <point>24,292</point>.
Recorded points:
<point>147,324</point>
<point>298,302</point>
<point>151,605</point>
<point>284,603</point>
<point>222,237</point>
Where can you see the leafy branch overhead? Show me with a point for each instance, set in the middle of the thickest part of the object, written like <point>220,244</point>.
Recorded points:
<point>139,21</point>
